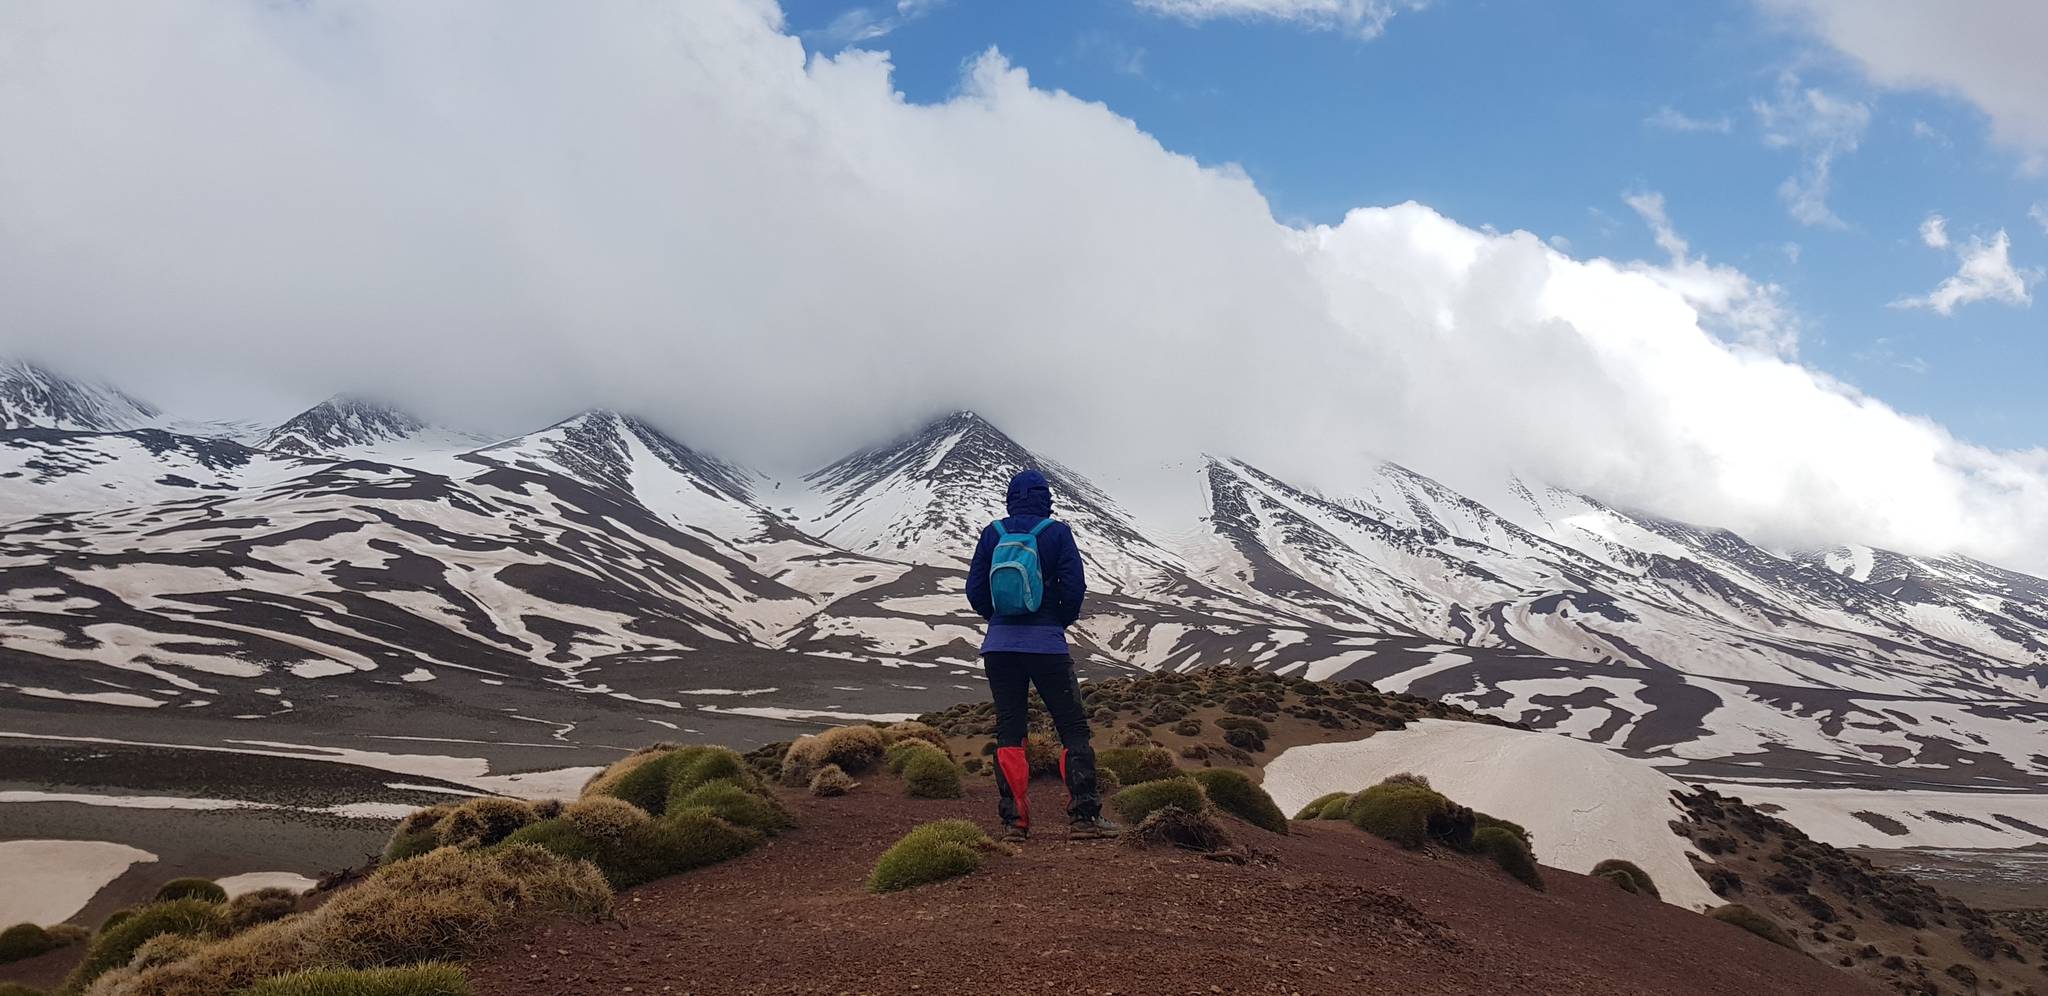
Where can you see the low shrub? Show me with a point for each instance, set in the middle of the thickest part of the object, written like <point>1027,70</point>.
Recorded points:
<point>1107,783</point>
<point>1134,765</point>
<point>900,753</point>
<point>1235,794</point>
<point>440,906</point>
<point>1481,821</point>
<point>929,853</point>
<point>26,940</point>
<point>1620,880</point>
<point>1189,727</point>
<point>1246,723</point>
<point>930,774</point>
<point>1510,852</point>
<point>162,950</point>
<point>833,780</point>
<point>1406,778</point>
<point>1339,809</point>
<point>1043,755</point>
<point>114,919</point>
<point>911,729</point>
<point>1638,880</point>
<point>1193,830</point>
<point>1245,740</point>
<point>1138,801</point>
<point>113,946</point>
<point>417,980</point>
<point>482,821</point>
<point>1754,922</point>
<point>261,906</point>
<point>1410,815</point>
<point>414,834</point>
<point>203,889</point>
<point>1314,809</point>
<point>602,817</point>
<point>674,844</point>
<point>728,801</point>
<point>854,749</point>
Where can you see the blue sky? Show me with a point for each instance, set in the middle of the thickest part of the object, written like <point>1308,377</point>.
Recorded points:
<point>1542,117</point>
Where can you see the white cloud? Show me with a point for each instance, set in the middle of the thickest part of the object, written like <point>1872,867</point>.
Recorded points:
<point>861,24</point>
<point>1672,119</point>
<point>1115,53</point>
<point>1821,128</point>
<point>1934,232</point>
<point>2039,212</point>
<point>1363,18</point>
<point>1986,273</point>
<point>1987,52</point>
<point>1742,310</point>
<point>666,207</point>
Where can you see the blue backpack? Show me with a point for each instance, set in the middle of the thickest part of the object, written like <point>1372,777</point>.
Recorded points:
<point>1016,582</point>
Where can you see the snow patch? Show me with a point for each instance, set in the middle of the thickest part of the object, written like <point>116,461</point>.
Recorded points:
<point>46,881</point>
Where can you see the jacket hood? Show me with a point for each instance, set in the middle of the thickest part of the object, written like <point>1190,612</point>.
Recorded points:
<point>1029,494</point>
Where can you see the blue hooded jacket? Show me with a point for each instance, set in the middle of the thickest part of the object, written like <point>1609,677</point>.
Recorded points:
<point>1044,631</point>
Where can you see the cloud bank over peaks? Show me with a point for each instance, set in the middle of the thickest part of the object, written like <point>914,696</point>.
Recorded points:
<point>670,209</point>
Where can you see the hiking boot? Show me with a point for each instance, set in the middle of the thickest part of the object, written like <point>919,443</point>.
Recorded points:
<point>1092,828</point>
<point>1014,834</point>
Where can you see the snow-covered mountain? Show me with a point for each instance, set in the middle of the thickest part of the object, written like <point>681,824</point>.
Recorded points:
<point>601,556</point>
<point>348,428</point>
<point>34,398</point>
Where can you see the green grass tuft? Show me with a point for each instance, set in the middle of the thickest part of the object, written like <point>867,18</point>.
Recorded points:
<point>1339,809</point>
<point>930,774</point>
<point>900,753</point>
<point>674,844</point>
<point>1638,880</point>
<point>728,801</point>
<point>1410,815</point>
<point>202,889</point>
<point>1314,809</point>
<point>1510,852</point>
<point>1235,794</point>
<point>1754,922</point>
<point>482,821</point>
<point>1135,765</point>
<point>26,940</point>
<point>929,853</point>
<point>113,946</point>
<point>261,906</point>
<point>1138,801</point>
<point>418,980</point>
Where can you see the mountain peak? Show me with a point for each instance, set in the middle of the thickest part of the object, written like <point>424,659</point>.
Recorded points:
<point>34,397</point>
<point>342,422</point>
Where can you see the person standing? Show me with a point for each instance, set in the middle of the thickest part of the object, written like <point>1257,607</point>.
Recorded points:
<point>1026,580</point>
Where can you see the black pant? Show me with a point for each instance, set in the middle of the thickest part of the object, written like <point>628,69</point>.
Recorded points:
<point>1010,678</point>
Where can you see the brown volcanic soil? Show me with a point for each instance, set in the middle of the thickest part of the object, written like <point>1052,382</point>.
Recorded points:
<point>1332,911</point>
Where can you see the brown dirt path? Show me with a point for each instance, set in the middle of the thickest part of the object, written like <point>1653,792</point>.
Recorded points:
<point>1338,912</point>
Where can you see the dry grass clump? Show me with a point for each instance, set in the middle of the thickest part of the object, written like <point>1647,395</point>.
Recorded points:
<point>854,749</point>
<point>203,889</point>
<point>17,989</point>
<point>1192,830</point>
<point>112,947</point>
<point>1043,755</point>
<point>414,980</point>
<point>1235,794</point>
<point>1139,801</point>
<point>929,853</point>
<point>1510,852</point>
<point>443,905</point>
<point>930,774</point>
<point>415,835</point>
<point>162,950</point>
<point>1626,877</point>
<point>1754,922</point>
<point>1314,809</point>
<point>261,906</point>
<point>602,817</point>
<point>482,822</point>
<point>833,780</point>
<point>911,729</point>
<point>1134,765</point>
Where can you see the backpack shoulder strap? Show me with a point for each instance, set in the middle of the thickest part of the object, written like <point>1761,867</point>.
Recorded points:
<point>1000,531</point>
<point>1042,523</point>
